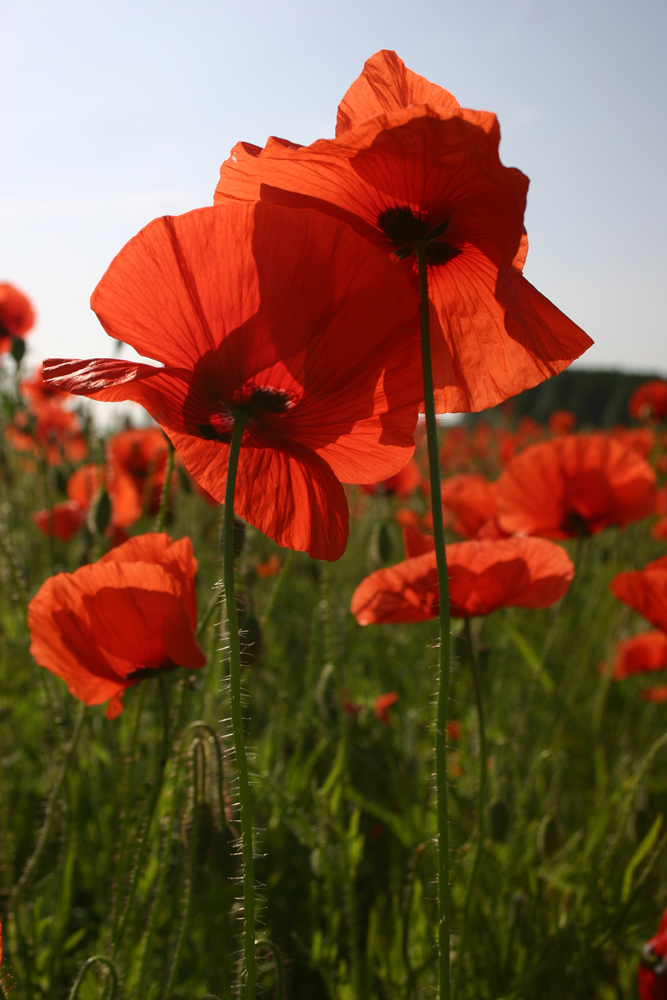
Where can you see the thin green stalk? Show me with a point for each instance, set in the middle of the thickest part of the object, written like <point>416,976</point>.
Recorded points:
<point>237,716</point>
<point>153,801</point>
<point>276,587</point>
<point>166,491</point>
<point>481,804</point>
<point>444,903</point>
<point>95,960</point>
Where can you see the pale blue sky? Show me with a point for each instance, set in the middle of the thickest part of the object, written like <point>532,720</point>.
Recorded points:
<point>112,113</point>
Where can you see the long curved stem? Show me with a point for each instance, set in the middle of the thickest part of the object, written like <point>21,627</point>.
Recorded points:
<point>237,717</point>
<point>444,903</point>
<point>481,803</point>
<point>95,960</point>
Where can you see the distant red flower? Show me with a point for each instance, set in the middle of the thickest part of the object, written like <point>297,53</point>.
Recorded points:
<point>645,591</point>
<point>649,400</point>
<point>642,439</point>
<point>469,501</point>
<point>415,542</point>
<point>643,653</point>
<point>40,393</point>
<point>562,422</point>
<point>137,461</point>
<point>350,707</point>
<point>84,484</point>
<point>50,431</point>
<point>401,485</point>
<point>652,972</point>
<point>429,172</point>
<point>16,315</point>
<point>483,576</point>
<point>382,704</point>
<point>269,568</point>
<point>454,730</point>
<point>288,317</point>
<point>656,694</point>
<point>578,483</point>
<point>110,624</point>
<point>62,521</point>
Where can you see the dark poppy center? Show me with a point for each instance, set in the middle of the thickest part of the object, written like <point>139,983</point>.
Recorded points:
<point>404,228</point>
<point>253,400</point>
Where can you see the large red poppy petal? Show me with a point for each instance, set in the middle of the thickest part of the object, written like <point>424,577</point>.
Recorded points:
<point>407,592</point>
<point>291,495</point>
<point>386,84</point>
<point>179,640</point>
<point>550,569</point>
<point>646,592</point>
<point>480,591</point>
<point>530,492</point>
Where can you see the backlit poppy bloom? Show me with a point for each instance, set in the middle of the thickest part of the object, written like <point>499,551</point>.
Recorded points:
<point>640,654</point>
<point>649,400</point>
<point>469,501</point>
<point>572,485</point>
<point>429,172</point>
<point>562,422</point>
<point>382,705</point>
<point>129,616</point>
<point>62,521</point>
<point>49,431</point>
<point>483,576</point>
<point>285,317</point>
<point>137,461</point>
<point>415,542</point>
<point>652,972</point>
<point>16,315</point>
<point>401,485</point>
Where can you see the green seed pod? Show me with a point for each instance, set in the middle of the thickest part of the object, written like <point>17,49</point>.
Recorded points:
<point>385,544</point>
<point>61,482</point>
<point>101,513</point>
<point>18,349</point>
<point>499,821</point>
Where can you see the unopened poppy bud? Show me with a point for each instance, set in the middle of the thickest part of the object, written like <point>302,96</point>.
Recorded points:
<point>18,349</point>
<point>100,513</point>
<point>499,821</point>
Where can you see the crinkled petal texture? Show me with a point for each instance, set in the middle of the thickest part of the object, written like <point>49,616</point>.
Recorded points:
<point>483,576</point>
<point>640,654</point>
<point>429,172</point>
<point>288,316</point>
<point>645,591</point>
<point>578,483</point>
<point>16,314</point>
<point>107,625</point>
<point>386,84</point>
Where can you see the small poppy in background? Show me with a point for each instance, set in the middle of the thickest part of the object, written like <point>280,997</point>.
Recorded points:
<point>350,707</point>
<point>129,616</point>
<point>645,591</point>
<point>314,353</point>
<point>656,694</point>
<point>562,421</point>
<point>642,439</point>
<point>16,315</point>
<point>652,972</point>
<point>61,521</point>
<point>86,483</point>
<point>454,730</point>
<point>137,464</point>
<point>469,501</point>
<point>640,654</point>
<point>38,392</point>
<point>48,431</point>
<point>382,704</point>
<point>269,568</point>
<point>483,576</point>
<point>573,485</point>
<point>402,485</point>
<point>649,400</point>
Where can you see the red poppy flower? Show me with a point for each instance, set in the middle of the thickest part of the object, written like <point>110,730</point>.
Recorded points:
<point>469,501</point>
<point>573,484</point>
<point>562,422</point>
<point>645,591</point>
<point>49,431</point>
<point>652,972</point>
<point>16,315</point>
<point>84,484</point>
<point>656,694</point>
<point>642,439</point>
<point>642,653</point>
<point>269,568</point>
<point>429,172</point>
<point>401,485</point>
<point>382,705</point>
<point>483,576</point>
<point>62,521</point>
<point>454,730</point>
<point>649,400</point>
<point>114,622</point>
<point>137,462</point>
<point>286,316</point>
<point>38,392</point>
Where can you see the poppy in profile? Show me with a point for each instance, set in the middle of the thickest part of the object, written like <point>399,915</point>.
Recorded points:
<point>137,461</point>
<point>288,318</point>
<point>401,485</point>
<point>62,521</point>
<point>574,485</point>
<point>115,622</point>
<point>649,400</point>
<point>483,576</point>
<point>428,173</point>
<point>382,704</point>
<point>16,315</point>
<point>652,972</point>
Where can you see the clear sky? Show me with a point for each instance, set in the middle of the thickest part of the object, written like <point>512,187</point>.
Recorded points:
<point>112,113</point>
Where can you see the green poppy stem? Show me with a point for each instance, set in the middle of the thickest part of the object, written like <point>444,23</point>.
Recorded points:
<point>166,490</point>
<point>444,902</point>
<point>237,717</point>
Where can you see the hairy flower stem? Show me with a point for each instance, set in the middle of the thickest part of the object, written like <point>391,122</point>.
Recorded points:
<point>444,902</point>
<point>237,717</point>
<point>166,491</point>
<point>152,803</point>
<point>481,804</point>
<point>106,964</point>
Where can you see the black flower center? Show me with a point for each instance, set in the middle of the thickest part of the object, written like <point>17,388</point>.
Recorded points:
<point>253,400</point>
<point>403,229</point>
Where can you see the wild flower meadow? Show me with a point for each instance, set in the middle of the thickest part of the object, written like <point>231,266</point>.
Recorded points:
<point>305,694</point>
